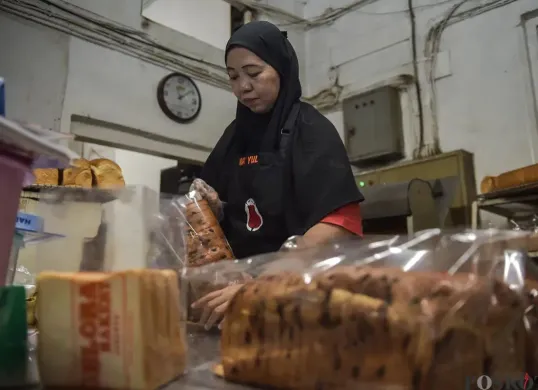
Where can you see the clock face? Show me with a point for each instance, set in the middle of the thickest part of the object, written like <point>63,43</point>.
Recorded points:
<point>179,98</point>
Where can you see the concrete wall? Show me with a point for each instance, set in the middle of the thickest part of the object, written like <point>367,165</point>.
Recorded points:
<point>485,95</point>
<point>55,79</point>
<point>206,20</point>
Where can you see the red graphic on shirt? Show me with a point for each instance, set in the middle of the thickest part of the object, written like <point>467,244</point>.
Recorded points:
<point>254,218</point>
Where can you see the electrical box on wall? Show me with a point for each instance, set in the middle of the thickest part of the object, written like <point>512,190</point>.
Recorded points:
<point>373,127</point>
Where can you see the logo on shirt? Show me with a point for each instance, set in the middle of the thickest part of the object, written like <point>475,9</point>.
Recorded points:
<point>254,218</point>
<point>248,160</point>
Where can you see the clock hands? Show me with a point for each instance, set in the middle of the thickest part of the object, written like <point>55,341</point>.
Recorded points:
<point>180,97</point>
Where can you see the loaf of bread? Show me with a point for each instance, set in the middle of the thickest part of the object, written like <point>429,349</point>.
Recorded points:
<point>371,327</point>
<point>47,176</point>
<point>77,177</point>
<point>205,240</point>
<point>107,173</point>
<point>119,330</point>
<point>205,243</point>
<point>511,179</point>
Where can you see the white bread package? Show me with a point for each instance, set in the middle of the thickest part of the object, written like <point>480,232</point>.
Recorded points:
<point>122,330</point>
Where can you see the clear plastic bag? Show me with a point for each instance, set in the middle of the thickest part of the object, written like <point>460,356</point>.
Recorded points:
<point>205,241</point>
<point>187,236</point>
<point>435,311</point>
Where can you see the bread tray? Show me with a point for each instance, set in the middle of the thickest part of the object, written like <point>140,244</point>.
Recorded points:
<point>72,194</point>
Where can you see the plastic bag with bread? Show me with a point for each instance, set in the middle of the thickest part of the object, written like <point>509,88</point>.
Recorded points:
<point>347,320</point>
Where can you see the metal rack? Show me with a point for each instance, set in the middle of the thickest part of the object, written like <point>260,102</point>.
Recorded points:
<point>514,203</point>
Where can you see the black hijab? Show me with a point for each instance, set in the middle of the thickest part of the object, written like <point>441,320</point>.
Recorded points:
<point>260,132</point>
<point>320,179</point>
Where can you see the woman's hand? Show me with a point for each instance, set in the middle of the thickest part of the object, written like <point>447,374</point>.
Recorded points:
<point>210,195</point>
<point>215,305</point>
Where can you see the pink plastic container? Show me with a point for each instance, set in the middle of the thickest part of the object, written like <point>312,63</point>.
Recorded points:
<point>12,173</point>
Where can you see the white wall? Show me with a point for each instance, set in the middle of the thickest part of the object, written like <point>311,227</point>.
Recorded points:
<point>483,95</point>
<point>296,32</point>
<point>35,71</point>
<point>51,76</point>
<point>206,20</point>
<point>109,86</point>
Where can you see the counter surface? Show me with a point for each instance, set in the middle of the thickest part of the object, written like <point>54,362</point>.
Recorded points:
<point>204,352</point>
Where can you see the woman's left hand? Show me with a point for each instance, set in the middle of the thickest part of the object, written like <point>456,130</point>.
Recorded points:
<point>215,305</point>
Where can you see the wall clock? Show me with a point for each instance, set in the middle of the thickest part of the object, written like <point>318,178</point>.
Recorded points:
<point>179,98</point>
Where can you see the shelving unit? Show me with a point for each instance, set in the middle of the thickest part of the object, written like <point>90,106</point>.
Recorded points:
<point>514,203</point>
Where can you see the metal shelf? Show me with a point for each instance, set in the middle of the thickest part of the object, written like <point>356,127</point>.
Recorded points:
<point>513,203</point>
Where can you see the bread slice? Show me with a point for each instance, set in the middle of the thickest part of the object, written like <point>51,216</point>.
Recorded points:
<point>110,330</point>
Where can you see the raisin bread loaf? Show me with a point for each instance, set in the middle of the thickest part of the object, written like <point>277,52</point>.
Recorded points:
<point>205,240</point>
<point>205,243</point>
<point>371,327</point>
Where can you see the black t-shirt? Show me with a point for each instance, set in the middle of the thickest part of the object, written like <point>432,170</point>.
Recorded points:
<point>290,192</point>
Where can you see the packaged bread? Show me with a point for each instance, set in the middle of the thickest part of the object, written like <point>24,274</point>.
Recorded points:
<point>122,330</point>
<point>373,315</point>
<point>377,328</point>
<point>511,179</point>
<point>205,240</point>
<point>205,244</point>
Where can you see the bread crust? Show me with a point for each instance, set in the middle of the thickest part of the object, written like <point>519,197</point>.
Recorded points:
<point>366,326</point>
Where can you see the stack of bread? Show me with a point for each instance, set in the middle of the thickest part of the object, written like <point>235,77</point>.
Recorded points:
<point>121,330</point>
<point>98,173</point>
<point>373,328</point>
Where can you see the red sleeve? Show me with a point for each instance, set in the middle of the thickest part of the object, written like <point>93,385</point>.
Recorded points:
<point>348,217</point>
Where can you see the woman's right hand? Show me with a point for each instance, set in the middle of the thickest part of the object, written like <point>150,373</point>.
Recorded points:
<point>210,195</point>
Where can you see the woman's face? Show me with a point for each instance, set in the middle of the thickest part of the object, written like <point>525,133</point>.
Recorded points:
<point>254,82</point>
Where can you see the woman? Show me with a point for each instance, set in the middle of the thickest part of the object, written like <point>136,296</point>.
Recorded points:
<point>280,169</point>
